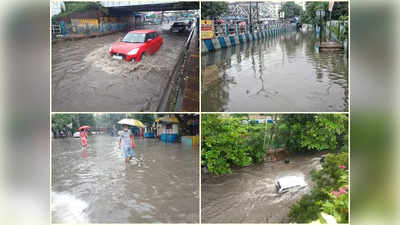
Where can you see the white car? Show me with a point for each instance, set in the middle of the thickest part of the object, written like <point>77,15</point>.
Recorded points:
<point>76,135</point>
<point>290,183</point>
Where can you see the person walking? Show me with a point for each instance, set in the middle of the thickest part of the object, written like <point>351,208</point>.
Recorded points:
<point>83,135</point>
<point>127,142</point>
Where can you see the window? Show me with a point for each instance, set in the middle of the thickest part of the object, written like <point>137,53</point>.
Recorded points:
<point>133,38</point>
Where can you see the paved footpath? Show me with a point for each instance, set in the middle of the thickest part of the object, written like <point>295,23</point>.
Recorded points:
<point>191,72</point>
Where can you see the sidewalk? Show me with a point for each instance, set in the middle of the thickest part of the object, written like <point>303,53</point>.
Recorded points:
<point>190,101</point>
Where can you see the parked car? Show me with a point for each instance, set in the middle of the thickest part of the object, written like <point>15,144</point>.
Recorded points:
<point>178,27</point>
<point>135,44</point>
<point>290,183</point>
<point>76,135</point>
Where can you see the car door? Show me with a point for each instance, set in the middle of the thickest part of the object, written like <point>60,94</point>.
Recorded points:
<point>149,49</point>
<point>157,40</point>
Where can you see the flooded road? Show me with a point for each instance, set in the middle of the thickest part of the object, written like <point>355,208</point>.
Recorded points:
<point>97,186</point>
<point>280,74</point>
<point>86,79</point>
<point>248,195</point>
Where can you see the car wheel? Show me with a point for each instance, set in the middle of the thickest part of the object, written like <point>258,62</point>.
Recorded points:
<point>143,55</point>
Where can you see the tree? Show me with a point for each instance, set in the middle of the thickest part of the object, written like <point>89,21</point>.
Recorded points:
<point>60,121</point>
<point>71,7</point>
<point>309,15</point>
<point>302,132</point>
<point>340,9</point>
<point>81,6</point>
<point>291,9</point>
<point>86,120</point>
<point>213,10</point>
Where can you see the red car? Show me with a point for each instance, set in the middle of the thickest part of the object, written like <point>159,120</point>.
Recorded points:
<point>135,44</point>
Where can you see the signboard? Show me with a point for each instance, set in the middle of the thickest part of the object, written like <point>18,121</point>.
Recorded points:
<point>331,2</point>
<point>207,29</point>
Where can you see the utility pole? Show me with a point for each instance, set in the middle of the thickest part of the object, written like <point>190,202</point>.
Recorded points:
<point>257,12</point>
<point>251,22</point>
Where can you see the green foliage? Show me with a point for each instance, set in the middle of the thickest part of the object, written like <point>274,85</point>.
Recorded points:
<point>60,121</point>
<point>302,132</point>
<point>338,203</point>
<point>309,15</point>
<point>213,10</point>
<point>71,7</point>
<point>329,194</point>
<point>226,142</point>
<point>341,31</point>
<point>305,210</point>
<point>339,9</point>
<point>255,142</point>
<point>291,9</point>
<point>223,144</point>
<point>86,120</point>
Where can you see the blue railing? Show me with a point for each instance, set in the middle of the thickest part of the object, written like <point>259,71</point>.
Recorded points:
<point>235,29</point>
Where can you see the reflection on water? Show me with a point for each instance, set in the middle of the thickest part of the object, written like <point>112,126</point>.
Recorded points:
<point>248,195</point>
<point>96,185</point>
<point>281,74</point>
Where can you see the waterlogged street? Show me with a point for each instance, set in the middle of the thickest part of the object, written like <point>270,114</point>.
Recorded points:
<point>280,74</point>
<point>85,77</point>
<point>97,186</point>
<point>248,195</point>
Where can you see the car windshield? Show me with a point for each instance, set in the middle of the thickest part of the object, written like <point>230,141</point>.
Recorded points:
<point>134,38</point>
<point>178,24</point>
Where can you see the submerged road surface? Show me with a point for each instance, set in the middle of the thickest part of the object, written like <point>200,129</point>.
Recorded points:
<point>248,195</point>
<point>280,74</point>
<point>86,79</point>
<point>97,186</point>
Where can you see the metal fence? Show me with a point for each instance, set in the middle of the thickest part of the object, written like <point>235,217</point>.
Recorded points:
<point>337,30</point>
<point>234,29</point>
<point>56,29</point>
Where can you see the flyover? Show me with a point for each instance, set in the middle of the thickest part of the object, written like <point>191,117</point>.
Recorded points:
<point>173,6</point>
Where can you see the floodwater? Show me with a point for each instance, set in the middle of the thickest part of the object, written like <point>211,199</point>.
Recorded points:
<point>248,195</point>
<point>280,74</point>
<point>86,79</point>
<point>97,186</point>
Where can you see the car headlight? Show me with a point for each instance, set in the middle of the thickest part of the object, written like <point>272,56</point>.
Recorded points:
<point>133,51</point>
<point>109,50</point>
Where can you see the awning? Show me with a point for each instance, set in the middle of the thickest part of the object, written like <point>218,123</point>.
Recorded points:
<point>167,120</point>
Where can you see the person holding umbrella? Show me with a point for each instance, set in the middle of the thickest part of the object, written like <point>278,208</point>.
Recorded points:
<point>126,137</point>
<point>128,143</point>
<point>83,135</point>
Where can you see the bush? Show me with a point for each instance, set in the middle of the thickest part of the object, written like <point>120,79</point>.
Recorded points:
<point>329,195</point>
<point>255,142</point>
<point>223,144</point>
<point>226,142</point>
<point>312,131</point>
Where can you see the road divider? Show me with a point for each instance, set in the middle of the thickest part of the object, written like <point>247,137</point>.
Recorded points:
<point>209,45</point>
